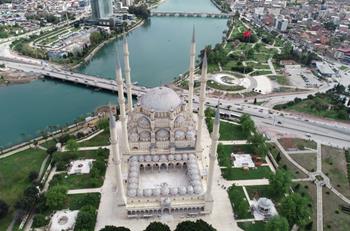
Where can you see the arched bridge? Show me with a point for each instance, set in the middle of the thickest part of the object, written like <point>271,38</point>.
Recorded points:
<point>189,14</point>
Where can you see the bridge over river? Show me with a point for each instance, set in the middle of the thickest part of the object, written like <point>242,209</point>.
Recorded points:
<point>53,72</point>
<point>190,14</point>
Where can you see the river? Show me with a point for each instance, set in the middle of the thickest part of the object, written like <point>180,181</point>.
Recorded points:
<point>159,51</point>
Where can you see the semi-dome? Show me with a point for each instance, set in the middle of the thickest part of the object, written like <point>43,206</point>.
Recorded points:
<point>160,99</point>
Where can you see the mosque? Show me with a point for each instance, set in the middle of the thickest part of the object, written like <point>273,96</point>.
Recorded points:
<point>158,152</point>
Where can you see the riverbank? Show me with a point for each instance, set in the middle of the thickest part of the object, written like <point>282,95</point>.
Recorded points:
<point>11,77</point>
<point>139,23</point>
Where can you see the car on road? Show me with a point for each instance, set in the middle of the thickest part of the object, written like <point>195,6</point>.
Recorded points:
<point>308,135</point>
<point>279,122</point>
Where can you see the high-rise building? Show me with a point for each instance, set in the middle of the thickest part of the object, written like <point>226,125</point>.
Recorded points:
<point>101,9</point>
<point>281,23</point>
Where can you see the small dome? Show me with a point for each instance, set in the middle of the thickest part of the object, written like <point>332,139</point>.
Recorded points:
<point>173,191</point>
<point>147,192</point>
<point>134,164</point>
<point>198,189</point>
<point>164,191</point>
<point>133,180</point>
<point>132,192</point>
<point>182,190</point>
<point>178,157</point>
<point>190,189</point>
<point>148,158</point>
<point>163,158</point>
<point>196,183</point>
<point>155,158</point>
<point>160,99</point>
<point>134,169</point>
<point>156,192</point>
<point>141,158</point>
<point>171,157</point>
<point>133,174</point>
<point>139,192</point>
<point>185,157</point>
<point>132,186</point>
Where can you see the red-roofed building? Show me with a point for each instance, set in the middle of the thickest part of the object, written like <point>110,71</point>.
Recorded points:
<point>343,54</point>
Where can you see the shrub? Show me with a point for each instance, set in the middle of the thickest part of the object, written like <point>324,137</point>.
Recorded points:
<point>86,219</point>
<point>39,220</point>
<point>4,208</point>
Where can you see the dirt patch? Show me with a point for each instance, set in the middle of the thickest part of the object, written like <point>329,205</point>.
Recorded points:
<point>307,160</point>
<point>296,144</point>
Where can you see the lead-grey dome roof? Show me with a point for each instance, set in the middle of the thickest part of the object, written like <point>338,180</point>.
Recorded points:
<point>160,99</point>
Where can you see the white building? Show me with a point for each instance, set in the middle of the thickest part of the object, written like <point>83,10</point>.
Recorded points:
<point>281,23</point>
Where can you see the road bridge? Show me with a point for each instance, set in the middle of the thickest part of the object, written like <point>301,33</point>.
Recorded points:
<point>52,72</point>
<point>190,14</point>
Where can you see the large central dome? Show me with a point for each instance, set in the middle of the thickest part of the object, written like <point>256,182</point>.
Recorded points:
<point>160,99</point>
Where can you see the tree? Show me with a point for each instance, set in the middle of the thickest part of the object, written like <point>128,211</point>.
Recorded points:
<point>39,220</point>
<point>157,226</point>
<point>277,223</point>
<point>141,11</point>
<point>72,145</point>
<point>56,197</point>
<point>95,38</point>
<point>295,208</point>
<point>33,175</point>
<point>247,124</point>
<point>199,225</point>
<point>113,228</point>
<point>86,218</point>
<point>51,150</point>
<point>258,144</point>
<point>4,208</point>
<point>280,182</point>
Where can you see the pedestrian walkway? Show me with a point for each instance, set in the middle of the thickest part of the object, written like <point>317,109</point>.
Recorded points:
<point>233,142</point>
<point>92,136</point>
<point>85,190</point>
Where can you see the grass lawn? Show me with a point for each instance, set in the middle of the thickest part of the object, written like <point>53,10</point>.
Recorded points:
<point>239,202</point>
<point>307,160</point>
<point>242,149</point>
<point>259,72</point>
<point>283,163</point>
<point>333,217</point>
<point>334,165</point>
<point>296,143</point>
<point>49,143</point>
<point>218,86</point>
<point>101,139</point>
<point>252,226</point>
<point>241,174</point>
<point>344,68</point>
<point>14,171</point>
<point>322,105</point>
<point>308,190</point>
<point>92,180</point>
<point>224,155</point>
<point>230,131</point>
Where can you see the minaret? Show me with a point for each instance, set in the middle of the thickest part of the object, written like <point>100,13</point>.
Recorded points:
<point>191,74</point>
<point>122,116</point>
<point>127,73</point>
<point>212,153</point>
<point>116,159</point>
<point>201,103</point>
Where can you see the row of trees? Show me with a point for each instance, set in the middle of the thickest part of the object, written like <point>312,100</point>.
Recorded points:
<point>141,11</point>
<point>198,225</point>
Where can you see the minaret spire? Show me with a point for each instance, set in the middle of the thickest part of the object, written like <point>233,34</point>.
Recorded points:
<point>191,73</point>
<point>212,154</point>
<point>121,98</point>
<point>202,102</point>
<point>116,159</point>
<point>127,73</point>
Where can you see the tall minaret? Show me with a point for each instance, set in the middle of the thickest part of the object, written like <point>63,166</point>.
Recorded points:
<point>127,73</point>
<point>122,116</point>
<point>201,103</point>
<point>191,74</point>
<point>116,159</point>
<point>212,154</point>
